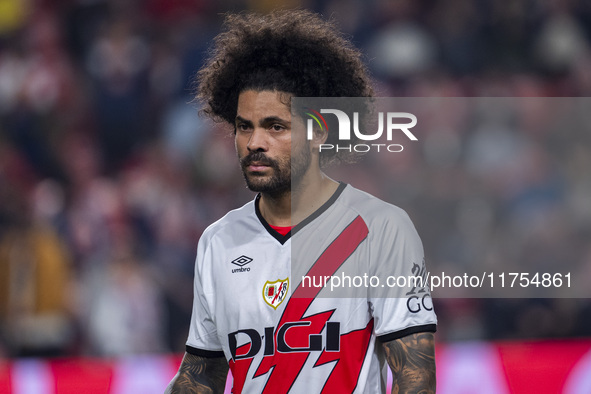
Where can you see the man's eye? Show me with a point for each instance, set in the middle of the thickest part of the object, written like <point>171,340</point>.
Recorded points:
<point>278,127</point>
<point>242,127</point>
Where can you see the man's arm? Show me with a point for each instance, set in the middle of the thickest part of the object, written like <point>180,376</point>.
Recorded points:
<point>412,360</point>
<point>199,375</point>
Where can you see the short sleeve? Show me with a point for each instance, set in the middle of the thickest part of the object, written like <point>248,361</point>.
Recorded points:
<point>203,339</point>
<point>403,305</point>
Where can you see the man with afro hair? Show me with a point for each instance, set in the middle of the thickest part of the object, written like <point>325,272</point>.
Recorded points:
<point>251,313</point>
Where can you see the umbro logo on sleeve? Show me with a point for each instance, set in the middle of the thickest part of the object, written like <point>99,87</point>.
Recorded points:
<point>241,262</point>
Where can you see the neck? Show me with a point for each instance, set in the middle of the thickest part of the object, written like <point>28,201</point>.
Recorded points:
<point>291,207</point>
<point>276,208</point>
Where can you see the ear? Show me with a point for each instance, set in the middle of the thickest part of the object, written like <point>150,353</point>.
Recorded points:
<point>319,137</point>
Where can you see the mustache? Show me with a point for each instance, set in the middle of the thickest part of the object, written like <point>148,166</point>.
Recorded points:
<point>258,157</point>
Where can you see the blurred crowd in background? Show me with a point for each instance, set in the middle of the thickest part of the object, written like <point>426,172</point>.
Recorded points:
<point>108,175</point>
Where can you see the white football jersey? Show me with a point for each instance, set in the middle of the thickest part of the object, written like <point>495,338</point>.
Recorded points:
<point>281,333</point>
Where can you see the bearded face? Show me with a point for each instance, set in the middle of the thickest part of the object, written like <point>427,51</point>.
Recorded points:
<point>270,163</point>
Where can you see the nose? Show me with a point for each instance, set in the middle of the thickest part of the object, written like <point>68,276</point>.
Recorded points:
<point>258,140</point>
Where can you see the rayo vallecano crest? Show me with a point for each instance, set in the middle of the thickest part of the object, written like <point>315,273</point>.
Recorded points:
<point>275,292</point>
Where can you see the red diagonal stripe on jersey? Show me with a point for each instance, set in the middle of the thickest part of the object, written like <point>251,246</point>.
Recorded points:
<point>287,366</point>
<point>334,256</point>
<point>349,360</point>
<point>240,368</point>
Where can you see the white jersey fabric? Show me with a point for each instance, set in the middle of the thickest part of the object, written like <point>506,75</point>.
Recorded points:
<point>280,335</point>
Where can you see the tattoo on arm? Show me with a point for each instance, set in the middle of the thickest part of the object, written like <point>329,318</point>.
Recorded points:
<point>199,375</point>
<point>412,360</point>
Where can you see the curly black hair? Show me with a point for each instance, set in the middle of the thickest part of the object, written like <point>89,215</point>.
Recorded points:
<point>292,51</point>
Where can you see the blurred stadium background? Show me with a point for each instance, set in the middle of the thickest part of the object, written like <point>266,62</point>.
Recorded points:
<point>108,177</point>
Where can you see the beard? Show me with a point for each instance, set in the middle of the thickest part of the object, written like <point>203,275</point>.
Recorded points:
<point>284,174</point>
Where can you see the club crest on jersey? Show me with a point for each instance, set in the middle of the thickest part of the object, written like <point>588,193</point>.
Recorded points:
<point>275,292</point>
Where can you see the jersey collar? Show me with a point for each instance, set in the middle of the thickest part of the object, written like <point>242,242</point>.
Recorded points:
<point>283,238</point>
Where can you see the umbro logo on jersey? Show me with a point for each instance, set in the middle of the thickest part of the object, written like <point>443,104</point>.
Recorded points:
<point>241,262</point>
<point>275,292</point>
